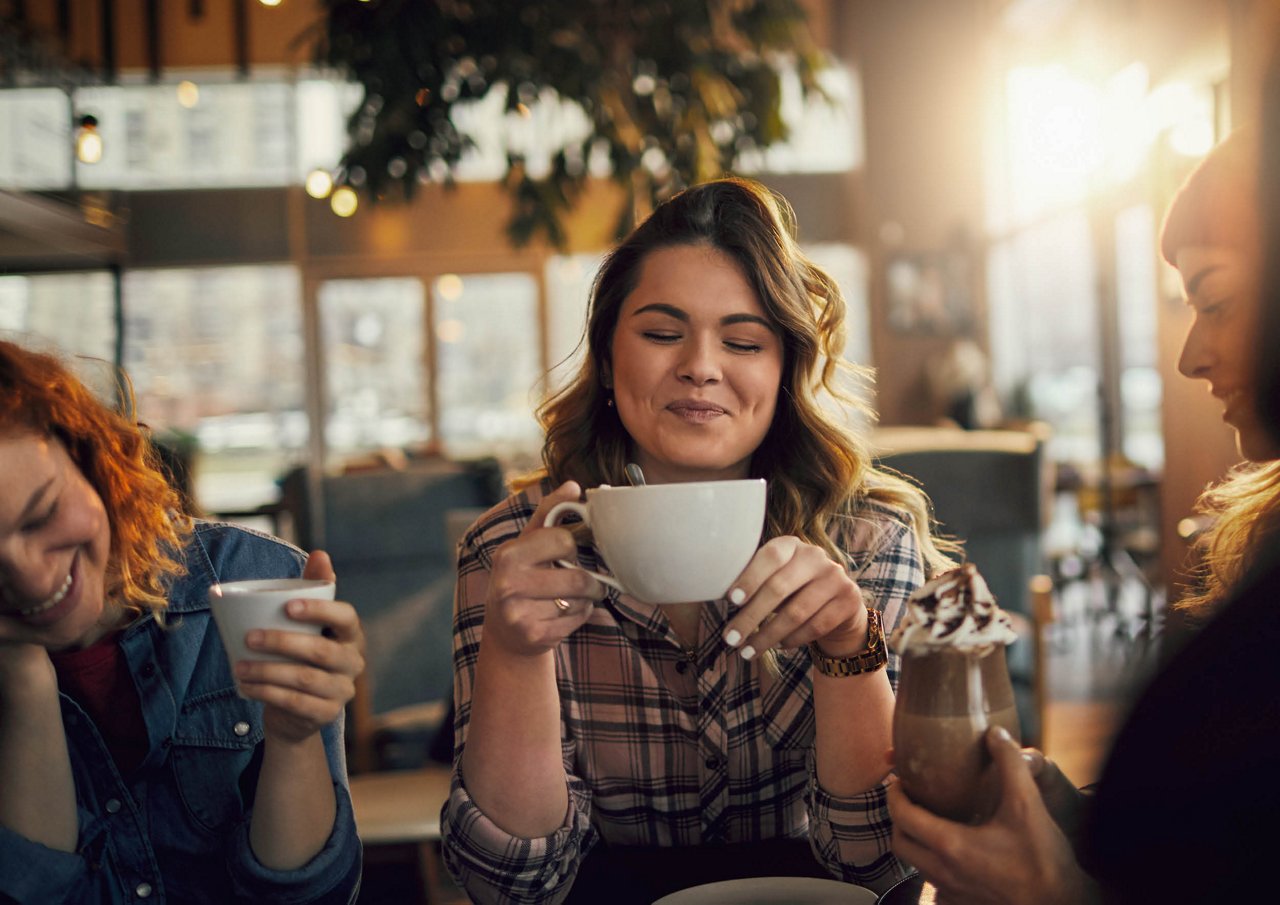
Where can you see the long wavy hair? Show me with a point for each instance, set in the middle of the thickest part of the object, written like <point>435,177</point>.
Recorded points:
<point>39,395</point>
<point>1219,205</point>
<point>818,469</point>
<point>1244,535</point>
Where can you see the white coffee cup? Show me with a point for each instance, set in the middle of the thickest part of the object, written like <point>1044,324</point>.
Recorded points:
<point>241,606</point>
<point>673,543</point>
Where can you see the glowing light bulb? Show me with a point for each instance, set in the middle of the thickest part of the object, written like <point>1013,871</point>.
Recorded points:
<point>449,286</point>
<point>343,201</point>
<point>319,183</point>
<point>88,140</point>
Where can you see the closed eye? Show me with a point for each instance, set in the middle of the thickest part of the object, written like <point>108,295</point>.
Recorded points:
<point>744,347</point>
<point>661,336</point>
<point>41,520</point>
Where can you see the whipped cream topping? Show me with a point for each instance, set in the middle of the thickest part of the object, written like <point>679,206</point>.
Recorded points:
<point>953,611</point>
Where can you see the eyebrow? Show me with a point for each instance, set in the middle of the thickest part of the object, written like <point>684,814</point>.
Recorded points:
<point>34,502</point>
<point>727,320</point>
<point>1193,284</point>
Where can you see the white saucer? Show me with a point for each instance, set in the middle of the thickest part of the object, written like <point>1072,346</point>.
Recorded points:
<point>772,891</point>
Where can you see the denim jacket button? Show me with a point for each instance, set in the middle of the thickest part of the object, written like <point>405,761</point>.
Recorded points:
<point>113,805</point>
<point>142,890</point>
<point>241,728</point>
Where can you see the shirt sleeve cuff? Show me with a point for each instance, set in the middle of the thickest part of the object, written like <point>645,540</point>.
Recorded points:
<point>851,836</point>
<point>34,873</point>
<point>482,856</point>
<point>332,877</point>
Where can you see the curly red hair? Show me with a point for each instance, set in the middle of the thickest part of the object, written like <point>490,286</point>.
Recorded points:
<point>39,394</point>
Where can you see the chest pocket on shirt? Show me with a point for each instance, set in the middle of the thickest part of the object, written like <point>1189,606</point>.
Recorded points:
<point>213,746</point>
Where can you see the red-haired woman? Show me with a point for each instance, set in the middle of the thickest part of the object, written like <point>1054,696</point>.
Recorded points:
<point>129,767</point>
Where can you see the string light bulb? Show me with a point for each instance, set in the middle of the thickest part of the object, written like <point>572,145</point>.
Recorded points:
<point>88,140</point>
<point>319,183</point>
<point>343,201</point>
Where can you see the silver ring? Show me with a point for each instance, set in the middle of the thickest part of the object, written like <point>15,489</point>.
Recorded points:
<point>562,605</point>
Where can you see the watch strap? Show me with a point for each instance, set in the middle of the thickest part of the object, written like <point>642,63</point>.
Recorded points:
<point>874,656</point>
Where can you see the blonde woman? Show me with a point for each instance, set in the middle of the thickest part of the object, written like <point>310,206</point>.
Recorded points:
<point>1185,808</point>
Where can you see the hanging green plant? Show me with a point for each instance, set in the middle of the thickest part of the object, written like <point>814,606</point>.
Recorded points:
<point>666,93</point>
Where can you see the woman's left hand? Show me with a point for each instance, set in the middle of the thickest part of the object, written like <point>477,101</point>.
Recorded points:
<point>305,694</point>
<point>792,593</point>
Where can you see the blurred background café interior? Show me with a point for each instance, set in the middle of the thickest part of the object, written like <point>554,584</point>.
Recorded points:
<point>341,249</point>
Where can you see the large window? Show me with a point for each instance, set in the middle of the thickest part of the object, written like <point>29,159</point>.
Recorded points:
<point>1045,339</point>
<point>35,138</point>
<point>212,128</point>
<point>488,363</point>
<point>1140,387</point>
<point>568,280</point>
<point>216,357</point>
<point>375,366</point>
<point>72,312</point>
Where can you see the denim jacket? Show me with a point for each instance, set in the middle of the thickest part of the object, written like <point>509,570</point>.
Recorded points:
<point>177,828</point>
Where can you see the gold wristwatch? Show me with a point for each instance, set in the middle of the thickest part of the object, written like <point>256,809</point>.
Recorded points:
<point>874,656</point>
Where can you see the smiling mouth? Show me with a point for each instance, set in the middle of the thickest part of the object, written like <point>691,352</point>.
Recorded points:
<point>51,602</point>
<point>696,408</point>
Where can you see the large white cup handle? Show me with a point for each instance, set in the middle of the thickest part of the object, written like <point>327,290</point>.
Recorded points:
<point>553,518</point>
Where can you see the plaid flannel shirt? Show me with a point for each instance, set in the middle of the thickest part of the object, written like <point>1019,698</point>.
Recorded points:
<point>664,746</point>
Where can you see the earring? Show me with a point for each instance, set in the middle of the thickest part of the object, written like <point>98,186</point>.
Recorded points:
<point>609,402</point>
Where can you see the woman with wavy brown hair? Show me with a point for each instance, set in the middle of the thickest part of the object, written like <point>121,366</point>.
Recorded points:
<point>598,736</point>
<point>129,767</point>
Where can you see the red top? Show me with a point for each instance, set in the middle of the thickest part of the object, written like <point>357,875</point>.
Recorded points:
<point>98,679</point>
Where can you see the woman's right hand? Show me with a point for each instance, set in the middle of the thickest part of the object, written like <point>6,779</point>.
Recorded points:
<point>521,613</point>
<point>1019,855</point>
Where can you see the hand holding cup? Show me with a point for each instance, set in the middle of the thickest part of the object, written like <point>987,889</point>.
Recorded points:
<point>532,605</point>
<point>301,656</point>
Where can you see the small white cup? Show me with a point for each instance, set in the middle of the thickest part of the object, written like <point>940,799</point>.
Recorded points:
<point>241,606</point>
<point>673,543</point>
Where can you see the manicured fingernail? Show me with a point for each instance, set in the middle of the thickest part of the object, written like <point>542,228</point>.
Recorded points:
<point>748,652</point>
<point>737,595</point>
<point>297,607</point>
<point>254,638</point>
<point>732,637</point>
<point>1003,734</point>
<point>1027,757</point>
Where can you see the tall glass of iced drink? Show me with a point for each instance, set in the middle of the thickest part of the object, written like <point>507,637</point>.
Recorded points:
<point>953,685</point>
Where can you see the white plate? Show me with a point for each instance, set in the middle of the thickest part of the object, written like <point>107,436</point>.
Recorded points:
<point>772,891</point>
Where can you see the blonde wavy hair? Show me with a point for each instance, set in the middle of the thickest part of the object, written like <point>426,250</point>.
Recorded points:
<point>818,470</point>
<point>1245,509</point>
<point>40,395</point>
